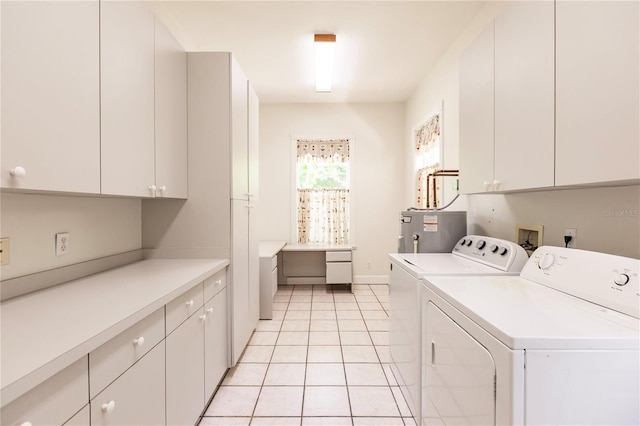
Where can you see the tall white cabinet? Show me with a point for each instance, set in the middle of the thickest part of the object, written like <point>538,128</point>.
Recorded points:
<point>223,157</point>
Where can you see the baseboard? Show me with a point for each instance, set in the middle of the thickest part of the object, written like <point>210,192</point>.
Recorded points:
<point>40,280</point>
<point>371,279</point>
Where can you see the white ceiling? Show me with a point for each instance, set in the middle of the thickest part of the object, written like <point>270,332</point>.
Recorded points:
<point>384,49</point>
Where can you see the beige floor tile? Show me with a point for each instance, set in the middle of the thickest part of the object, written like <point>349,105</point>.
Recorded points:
<point>391,378</point>
<point>361,298</point>
<point>279,401</point>
<point>278,315</point>
<point>360,354</point>
<point>326,401</point>
<point>348,315</point>
<point>326,298</point>
<point>326,421</point>
<point>276,421</point>
<point>285,375</point>
<point>295,325</point>
<point>225,421</point>
<point>256,354</point>
<point>323,325</point>
<point>352,325</point>
<point>289,354</point>
<point>401,402</point>
<point>323,315</point>
<point>279,306</point>
<point>282,298</point>
<point>375,315</point>
<point>322,306</point>
<point>365,375</point>
<point>380,288</point>
<point>325,375</point>
<point>409,421</point>
<point>263,338</point>
<point>299,290</point>
<point>378,421</point>
<point>299,306</point>
<point>293,338</point>
<point>347,306</point>
<point>383,354</point>
<point>377,325</point>
<point>269,325</point>
<point>234,401</point>
<point>367,401</point>
<point>324,354</point>
<point>350,338</point>
<point>324,338</point>
<point>370,306</point>
<point>382,297</point>
<point>297,315</point>
<point>245,375</point>
<point>303,298</point>
<point>380,337</point>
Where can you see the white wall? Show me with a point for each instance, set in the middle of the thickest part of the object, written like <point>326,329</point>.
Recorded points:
<point>378,171</point>
<point>606,219</point>
<point>98,227</point>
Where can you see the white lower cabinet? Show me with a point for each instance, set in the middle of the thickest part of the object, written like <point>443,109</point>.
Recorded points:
<point>215,342</point>
<point>136,397</point>
<point>82,418</point>
<point>185,371</point>
<point>54,401</point>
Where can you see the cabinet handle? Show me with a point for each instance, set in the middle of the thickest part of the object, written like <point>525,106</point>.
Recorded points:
<point>18,172</point>
<point>486,185</point>
<point>162,188</point>
<point>139,341</point>
<point>109,407</point>
<point>203,317</point>
<point>496,184</point>
<point>209,310</point>
<point>152,189</point>
<point>250,206</point>
<point>218,282</point>
<point>189,303</point>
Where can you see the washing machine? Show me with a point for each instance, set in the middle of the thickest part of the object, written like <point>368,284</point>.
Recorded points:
<point>471,255</point>
<point>558,344</point>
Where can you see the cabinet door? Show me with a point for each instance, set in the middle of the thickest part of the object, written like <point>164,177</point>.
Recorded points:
<point>170,115</point>
<point>136,397</point>
<point>597,91</point>
<point>127,84</point>
<point>239,132</point>
<point>215,342</point>
<point>254,129</point>
<point>254,259</point>
<point>477,114</point>
<point>185,371</point>
<point>51,95</point>
<point>240,287</point>
<point>524,96</point>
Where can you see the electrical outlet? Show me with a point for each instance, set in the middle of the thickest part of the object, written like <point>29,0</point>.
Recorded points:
<point>368,264</point>
<point>4,251</point>
<point>62,244</point>
<point>571,232</point>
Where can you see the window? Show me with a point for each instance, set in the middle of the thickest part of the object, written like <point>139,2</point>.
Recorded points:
<point>427,142</point>
<point>322,186</point>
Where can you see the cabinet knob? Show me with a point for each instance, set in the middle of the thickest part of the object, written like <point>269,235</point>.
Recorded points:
<point>139,341</point>
<point>218,282</point>
<point>109,407</point>
<point>209,310</point>
<point>486,185</point>
<point>189,303</point>
<point>203,317</point>
<point>152,189</point>
<point>18,172</point>
<point>250,206</point>
<point>496,184</point>
<point>162,188</point>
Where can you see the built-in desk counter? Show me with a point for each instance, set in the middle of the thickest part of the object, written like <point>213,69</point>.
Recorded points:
<point>268,253</point>
<point>314,263</point>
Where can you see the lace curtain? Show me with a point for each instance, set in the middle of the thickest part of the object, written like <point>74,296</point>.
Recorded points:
<point>323,212</point>
<point>428,160</point>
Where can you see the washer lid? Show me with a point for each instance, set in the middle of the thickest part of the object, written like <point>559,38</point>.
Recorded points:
<point>525,315</point>
<point>421,264</point>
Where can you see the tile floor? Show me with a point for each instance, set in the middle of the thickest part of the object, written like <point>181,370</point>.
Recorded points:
<point>322,360</point>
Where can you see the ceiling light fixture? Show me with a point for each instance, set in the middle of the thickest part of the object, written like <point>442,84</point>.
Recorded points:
<point>325,49</point>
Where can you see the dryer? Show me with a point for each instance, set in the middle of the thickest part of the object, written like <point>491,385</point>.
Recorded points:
<point>471,255</point>
<point>559,344</point>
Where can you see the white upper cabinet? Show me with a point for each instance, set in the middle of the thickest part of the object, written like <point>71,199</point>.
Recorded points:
<point>170,115</point>
<point>597,91</point>
<point>239,132</point>
<point>127,98</point>
<point>524,96</point>
<point>477,114</point>
<point>50,96</point>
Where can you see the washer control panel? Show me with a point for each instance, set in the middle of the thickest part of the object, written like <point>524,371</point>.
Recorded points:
<point>502,254</point>
<point>607,280</point>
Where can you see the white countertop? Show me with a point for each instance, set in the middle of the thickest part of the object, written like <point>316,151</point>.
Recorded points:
<point>317,247</point>
<point>45,331</point>
<point>270,248</point>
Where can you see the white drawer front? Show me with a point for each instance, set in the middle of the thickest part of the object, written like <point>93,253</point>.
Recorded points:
<point>111,359</point>
<point>213,285</point>
<point>274,282</point>
<point>82,418</point>
<point>339,273</point>
<point>54,401</point>
<point>183,306</point>
<point>338,256</point>
<point>274,261</point>
<point>136,397</point>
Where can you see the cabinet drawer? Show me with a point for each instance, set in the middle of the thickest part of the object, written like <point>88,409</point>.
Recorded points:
<point>183,306</point>
<point>274,282</point>
<point>111,359</point>
<point>214,284</point>
<point>274,262</point>
<point>136,397</point>
<point>338,256</point>
<point>54,401</point>
<point>82,418</point>
<point>339,273</point>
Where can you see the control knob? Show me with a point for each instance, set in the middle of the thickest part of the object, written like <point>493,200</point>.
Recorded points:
<point>480,244</point>
<point>546,261</point>
<point>621,279</point>
<point>469,243</point>
<point>503,251</point>
<point>463,242</point>
<point>493,248</point>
